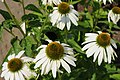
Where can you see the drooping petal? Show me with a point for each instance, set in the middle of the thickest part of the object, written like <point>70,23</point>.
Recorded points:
<point>48,66</point>
<point>100,56</point>
<point>40,55</point>
<point>44,67</point>
<point>16,76</point>
<point>109,54</point>
<point>54,68</point>
<point>67,59</point>
<point>40,62</point>
<point>12,77</point>
<point>113,43</point>
<point>96,54</point>
<point>4,72</point>
<point>65,65</point>
<point>21,76</point>
<point>91,50</point>
<point>7,76</point>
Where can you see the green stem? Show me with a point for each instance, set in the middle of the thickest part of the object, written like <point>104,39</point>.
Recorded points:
<point>10,32</point>
<point>59,76</point>
<point>23,6</point>
<point>66,34</point>
<point>13,17</point>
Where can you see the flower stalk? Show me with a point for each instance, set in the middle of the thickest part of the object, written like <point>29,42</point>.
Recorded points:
<point>13,17</point>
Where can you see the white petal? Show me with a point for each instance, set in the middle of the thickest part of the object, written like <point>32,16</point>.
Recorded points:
<point>12,77</point>
<point>68,50</point>
<point>5,66</point>
<point>91,34</point>
<point>92,50</point>
<point>73,20</point>
<point>16,76</point>
<point>54,68</point>
<point>88,45</point>
<point>68,25</point>
<point>96,54</point>
<point>91,40</point>
<point>65,66</point>
<point>20,54</point>
<point>61,25</point>
<point>109,14</point>
<point>74,16</point>
<point>104,1</point>
<point>11,56</point>
<point>58,64</point>
<point>24,73</point>
<point>75,12</point>
<point>4,72</point>
<point>63,44</point>
<point>38,64</point>
<point>27,59</point>
<point>48,67</point>
<point>113,43</point>
<point>40,55</point>
<point>100,57</point>
<point>71,57</point>
<point>21,76</point>
<point>44,67</point>
<point>105,55</point>
<point>42,46</point>
<point>67,59</point>
<point>7,76</point>
<point>109,54</point>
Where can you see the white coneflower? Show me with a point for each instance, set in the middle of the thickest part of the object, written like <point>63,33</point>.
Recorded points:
<point>50,2</point>
<point>63,15</point>
<point>114,15</point>
<point>104,1</point>
<point>53,55</point>
<point>16,68</point>
<point>100,45</point>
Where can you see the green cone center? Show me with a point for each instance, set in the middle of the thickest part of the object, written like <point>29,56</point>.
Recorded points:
<point>116,10</point>
<point>15,64</point>
<point>54,50</point>
<point>103,39</point>
<point>31,66</point>
<point>63,8</point>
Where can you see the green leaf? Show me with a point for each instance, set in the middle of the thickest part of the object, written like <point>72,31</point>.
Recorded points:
<point>75,45</point>
<point>8,24</point>
<point>93,77</point>
<point>16,45</point>
<point>75,2</point>
<point>1,31</point>
<point>32,7</point>
<point>89,16</point>
<point>29,17</point>
<point>29,41</point>
<point>5,14</point>
<point>115,76</point>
